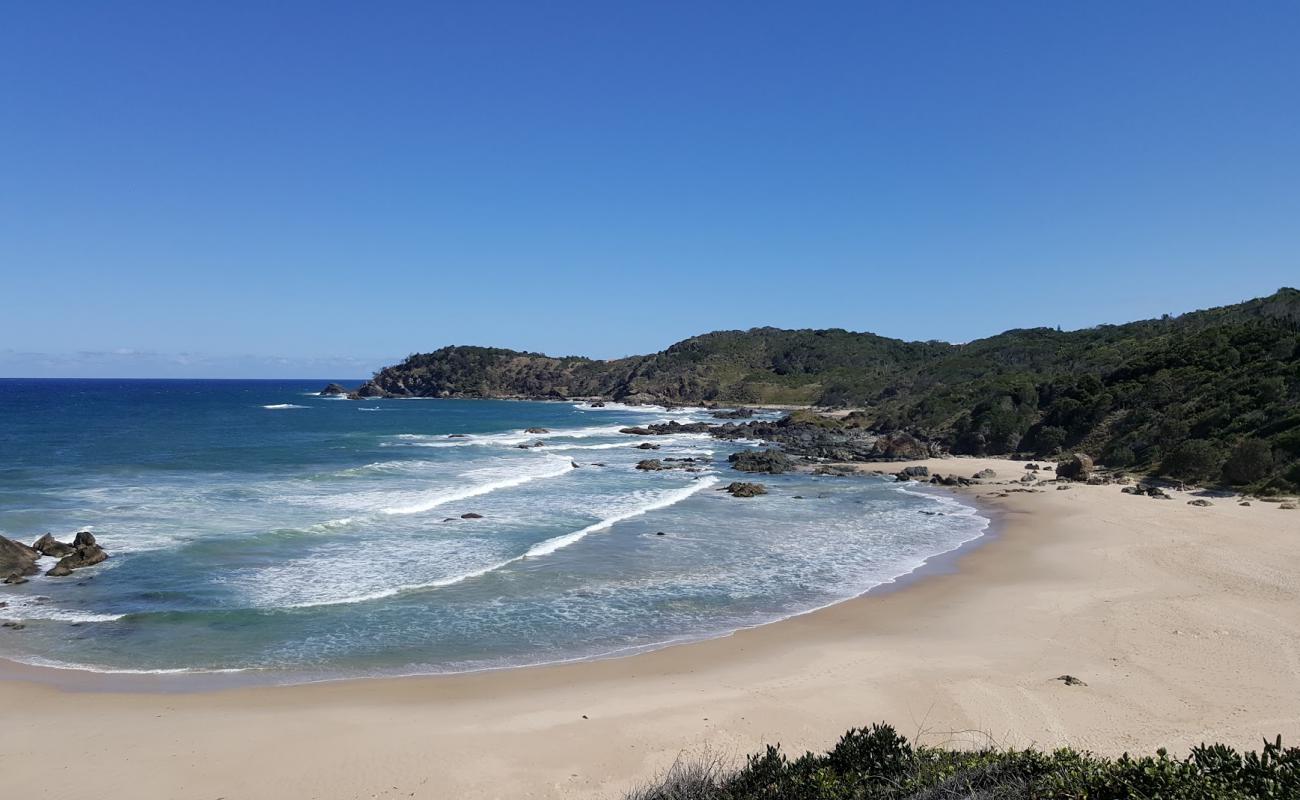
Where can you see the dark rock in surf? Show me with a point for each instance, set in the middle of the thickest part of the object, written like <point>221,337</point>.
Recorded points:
<point>738,413</point>
<point>47,545</point>
<point>650,465</point>
<point>770,461</point>
<point>740,489</point>
<point>17,560</point>
<point>333,390</point>
<point>537,430</point>
<point>471,515</point>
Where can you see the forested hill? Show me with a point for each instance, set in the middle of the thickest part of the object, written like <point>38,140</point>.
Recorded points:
<point>1189,388</point>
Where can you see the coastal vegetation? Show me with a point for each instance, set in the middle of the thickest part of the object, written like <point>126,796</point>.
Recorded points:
<point>877,763</point>
<point>1211,395</point>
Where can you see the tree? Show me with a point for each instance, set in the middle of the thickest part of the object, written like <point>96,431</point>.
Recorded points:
<point>1249,461</point>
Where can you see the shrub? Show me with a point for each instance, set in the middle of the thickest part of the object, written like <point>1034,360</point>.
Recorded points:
<point>1249,461</point>
<point>878,764</point>
<point>1193,460</point>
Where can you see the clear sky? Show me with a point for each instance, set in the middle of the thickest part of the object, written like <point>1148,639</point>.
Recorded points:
<point>317,188</point>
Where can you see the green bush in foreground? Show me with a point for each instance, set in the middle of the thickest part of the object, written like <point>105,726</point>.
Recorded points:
<point>877,764</point>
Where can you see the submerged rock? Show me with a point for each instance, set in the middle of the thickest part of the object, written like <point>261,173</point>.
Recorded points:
<point>537,430</point>
<point>471,515</point>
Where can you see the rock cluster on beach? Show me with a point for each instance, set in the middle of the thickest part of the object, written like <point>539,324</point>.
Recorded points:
<point>18,561</point>
<point>741,489</point>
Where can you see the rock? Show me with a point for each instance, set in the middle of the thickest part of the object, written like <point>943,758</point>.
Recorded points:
<point>647,446</point>
<point>83,539</point>
<point>1070,680</point>
<point>985,474</point>
<point>739,489</point>
<point>457,436</point>
<point>1031,465</point>
<point>1244,503</point>
<point>86,555</point>
<point>1154,491</point>
<point>528,445</point>
<point>649,465</point>
<point>573,463</point>
<point>738,413</point>
<point>47,545</point>
<point>333,390</point>
<point>536,430</point>
<point>1077,468</point>
<point>660,533</point>
<point>17,559</point>
<point>1062,487</point>
<point>368,390</point>
<point>1287,506</point>
<point>1133,490</point>
<point>637,431</point>
<point>15,579</point>
<point>1199,502</point>
<point>1028,478</point>
<point>598,404</point>
<point>471,515</point>
<point>13,626</point>
<point>770,461</point>
<point>916,472</point>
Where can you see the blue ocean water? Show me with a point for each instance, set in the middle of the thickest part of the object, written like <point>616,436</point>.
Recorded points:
<point>255,526</point>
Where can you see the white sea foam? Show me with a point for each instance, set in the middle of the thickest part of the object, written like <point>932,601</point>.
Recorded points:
<point>21,609</point>
<point>664,500</point>
<point>643,505</point>
<point>550,468</point>
<point>282,406</point>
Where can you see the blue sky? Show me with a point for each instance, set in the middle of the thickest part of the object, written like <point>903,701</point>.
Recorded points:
<point>317,188</point>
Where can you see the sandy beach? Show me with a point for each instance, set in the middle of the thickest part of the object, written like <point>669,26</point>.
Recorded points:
<point>1183,621</point>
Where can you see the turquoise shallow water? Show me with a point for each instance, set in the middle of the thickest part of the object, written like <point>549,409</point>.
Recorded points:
<point>254,526</point>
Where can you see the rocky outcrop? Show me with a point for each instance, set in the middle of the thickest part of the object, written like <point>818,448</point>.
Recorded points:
<point>47,545</point>
<point>771,461</point>
<point>369,390</point>
<point>816,436</point>
<point>1077,467</point>
<point>650,465</point>
<point>17,561</point>
<point>985,474</point>
<point>668,428</point>
<point>740,489</point>
<point>333,390</point>
<point>536,430</point>
<point>736,413</point>
<point>911,473</point>
<point>86,553</point>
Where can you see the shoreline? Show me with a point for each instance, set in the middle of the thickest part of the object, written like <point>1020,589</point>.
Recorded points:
<point>80,678</point>
<point>1180,620</point>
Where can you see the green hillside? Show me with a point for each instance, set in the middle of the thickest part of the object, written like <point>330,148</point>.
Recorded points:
<point>1186,395</point>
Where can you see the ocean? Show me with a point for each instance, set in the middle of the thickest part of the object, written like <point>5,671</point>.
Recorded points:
<point>255,527</point>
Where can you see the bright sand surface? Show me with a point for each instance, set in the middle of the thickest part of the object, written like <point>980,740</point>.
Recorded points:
<point>1183,621</point>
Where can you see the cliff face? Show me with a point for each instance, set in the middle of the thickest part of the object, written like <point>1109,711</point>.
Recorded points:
<point>1134,394</point>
